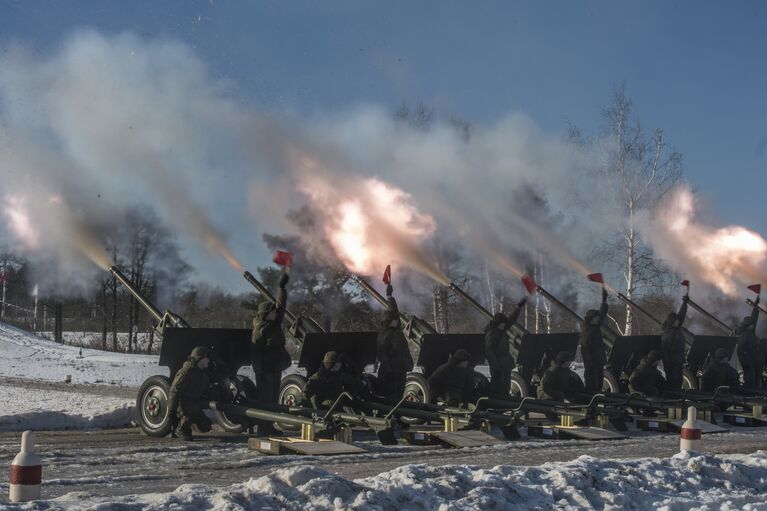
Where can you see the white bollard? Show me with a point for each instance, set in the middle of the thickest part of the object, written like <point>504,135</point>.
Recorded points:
<point>26,471</point>
<point>689,437</point>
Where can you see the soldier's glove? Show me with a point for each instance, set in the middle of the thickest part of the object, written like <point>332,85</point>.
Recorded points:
<point>389,290</point>
<point>756,302</point>
<point>284,280</point>
<point>686,298</point>
<point>522,302</point>
<point>604,294</point>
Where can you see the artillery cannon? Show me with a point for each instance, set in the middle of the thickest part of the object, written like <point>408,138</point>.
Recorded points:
<point>531,351</point>
<point>698,348</point>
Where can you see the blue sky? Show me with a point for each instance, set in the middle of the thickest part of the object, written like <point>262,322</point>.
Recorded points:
<point>696,69</point>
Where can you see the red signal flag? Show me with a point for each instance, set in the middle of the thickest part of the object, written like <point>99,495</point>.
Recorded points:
<point>529,284</point>
<point>387,275</point>
<point>596,277</point>
<point>685,283</point>
<point>756,288</point>
<point>3,278</point>
<point>282,258</point>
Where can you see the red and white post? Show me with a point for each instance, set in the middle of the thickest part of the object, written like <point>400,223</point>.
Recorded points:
<point>689,437</point>
<point>26,471</point>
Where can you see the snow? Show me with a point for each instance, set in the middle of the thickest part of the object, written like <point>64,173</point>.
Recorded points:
<point>24,355</point>
<point>53,409</point>
<point>685,481</point>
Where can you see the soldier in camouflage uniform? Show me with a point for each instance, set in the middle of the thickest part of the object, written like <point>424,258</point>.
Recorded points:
<point>646,377</point>
<point>498,351</point>
<point>453,382</point>
<point>593,347</point>
<point>559,383</point>
<point>268,354</point>
<point>393,352</point>
<point>750,351</point>
<point>672,346</point>
<point>324,386</point>
<point>190,386</point>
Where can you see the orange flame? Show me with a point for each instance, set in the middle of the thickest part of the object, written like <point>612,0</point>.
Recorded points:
<point>724,257</point>
<point>368,223</point>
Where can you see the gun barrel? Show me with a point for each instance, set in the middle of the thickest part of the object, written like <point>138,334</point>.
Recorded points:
<point>752,303</point>
<point>371,290</point>
<point>471,301</point>
<point>265,292</point>
<point>721,324</point>
<point>140,298</point>
<point>637,308</point>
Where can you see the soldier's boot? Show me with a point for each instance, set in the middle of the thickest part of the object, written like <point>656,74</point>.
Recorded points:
<point>185,430</point>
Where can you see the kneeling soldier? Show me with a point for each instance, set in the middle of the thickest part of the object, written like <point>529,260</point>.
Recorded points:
<point>646,378</point>
<point>324,386</point>
<point>719,373</point>
<point>559,383</point>
<point>189,387</point>
<point>453,382</point>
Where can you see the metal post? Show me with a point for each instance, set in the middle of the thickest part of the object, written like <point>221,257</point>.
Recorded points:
<point>2,311</point>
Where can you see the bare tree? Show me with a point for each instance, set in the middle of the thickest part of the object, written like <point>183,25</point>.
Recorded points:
<point>638,169</point>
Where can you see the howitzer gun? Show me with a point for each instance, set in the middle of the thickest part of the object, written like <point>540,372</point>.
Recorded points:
<point>163,320</point>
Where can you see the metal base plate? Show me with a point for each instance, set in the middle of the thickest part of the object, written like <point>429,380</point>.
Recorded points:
<point>745,420</point>
<point>458,439</point>
<point>557,432</point>
<point>674,426</point>
<point>298,446</point>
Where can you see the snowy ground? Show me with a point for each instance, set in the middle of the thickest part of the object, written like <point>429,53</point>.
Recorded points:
<point>686,481</point>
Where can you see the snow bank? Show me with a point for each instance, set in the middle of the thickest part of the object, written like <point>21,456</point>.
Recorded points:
<point>682,482</point>
<point>62,410</point>
<point>24,355</point>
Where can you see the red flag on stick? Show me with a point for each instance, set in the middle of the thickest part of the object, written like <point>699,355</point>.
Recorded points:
<point>529,284</point>
<point>596,277</point>
<point>3,278</point>
<point>685,283</point>
<point>387,275</point>
<point>282,258</point>
<point>756,288</point>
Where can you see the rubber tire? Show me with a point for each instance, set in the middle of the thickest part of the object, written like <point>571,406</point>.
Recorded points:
<point>240,424</point>
<point>288,387</point>
<point>157,387</point>
<point>689,381</point>
<point>417,388</point>
<point>481,384</point>
<point>519,387</point>
<point>610,384</point>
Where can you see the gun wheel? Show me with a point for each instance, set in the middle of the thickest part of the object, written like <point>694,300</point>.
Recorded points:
<point>152,405</point>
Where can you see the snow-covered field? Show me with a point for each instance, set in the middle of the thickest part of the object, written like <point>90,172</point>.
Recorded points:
<point>24,355</point>
<point>682,482</point>
<point>54,409</point>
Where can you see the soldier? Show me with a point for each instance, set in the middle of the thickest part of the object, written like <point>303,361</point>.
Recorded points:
<point>189,387</point>
<point>393,352</point>
<point>498,352</point>
<point>453,382</point>
<point>559,383</point>
<point>719,373</point>
<point>749,350</point>
<point>324,386</point>
<point>593,347</point>
<point>672,346</point>
<point>268,354</point>
<point>646,377</point>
